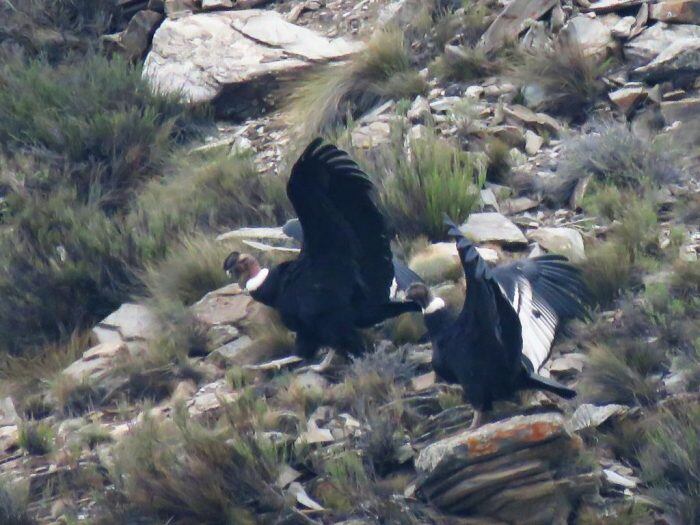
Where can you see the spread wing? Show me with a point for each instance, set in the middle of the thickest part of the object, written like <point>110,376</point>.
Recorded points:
<point>334,200</point>
<point>544,291</point>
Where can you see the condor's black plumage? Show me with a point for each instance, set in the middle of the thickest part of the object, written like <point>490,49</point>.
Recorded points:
<point>403,275</point>
<point>501,338</point>
<point>341,279</point>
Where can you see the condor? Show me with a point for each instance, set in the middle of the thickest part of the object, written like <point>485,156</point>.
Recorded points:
<point>341,280</point>
<point>501,338</point>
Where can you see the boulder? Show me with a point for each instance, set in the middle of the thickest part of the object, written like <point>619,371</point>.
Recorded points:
<point>592,416</point>
<point>627,98</point>
<point>492,227</point>
<point>653,40</point>
<point>514,471</point>
<point>203,56</point>
<point>589,37</point>
<point>97,363</point>
<point>681,57</point>
<point>225,306</point>
<point>371,135</point>
<point>136,38</point>
<point>131,322</point>
<point>623,28</point>
<point>678,11</point>
<point>563,241</point>
<point>611,6</point>
<point>512,21</point>
<point>529,117</point>
<point>686,110</point>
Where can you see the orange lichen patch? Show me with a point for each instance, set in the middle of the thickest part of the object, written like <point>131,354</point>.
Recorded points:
<point>488,443</point>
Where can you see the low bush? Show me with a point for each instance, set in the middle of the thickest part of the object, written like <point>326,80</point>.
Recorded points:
<point>326,98</point>
<point>13,504</point>
<point>35,438</point>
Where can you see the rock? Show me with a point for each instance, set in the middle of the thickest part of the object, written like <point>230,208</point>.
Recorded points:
<point>232,351</point>
<point>679,11</point>
<point>400,13</point>
<point>609,6</point>
<point>136,38</point>
<point>212,5</point>
<point>227,305</point>
<point>533,142</point>
<point>97,363</point>
<point>686,110</point>
<point>614,478</point>
<point>437,262</point>
<point>498,470</point>
<point>9,437</point>
<point>423,382</point>
<point>592,416</point>
<point>488,199</point>
<point>563,241</point>
<point>652,41</point>
<point>420,111</point>
<point>8,414</point>
<point>519,204</point>
<point>492,227</point>
<point>209,400</point>
<point>202,56</point>
<point>131,322</point>
<point>623,28</point>
<point>534,95</point>
<point>260,234</point>
<point>587,36</point>
<point>366,137</point>
<point>179,8</point>
<point>311,382</point>
<point>531,118</point>
<point>512,21</point>
<point>474,92</point>
<point>682,56</point>
<point>628,98</point>
<point>568,364</point>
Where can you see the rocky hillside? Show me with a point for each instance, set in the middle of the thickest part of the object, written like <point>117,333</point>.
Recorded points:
<point>141,141</point>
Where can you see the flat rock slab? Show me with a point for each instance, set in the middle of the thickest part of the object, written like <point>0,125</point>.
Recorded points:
<point>682,56</point>
<point>653,40</point>
<point>511,471</point>
<point>98,362</point>
<point>562,241</point>
<point>490,440</point>
<point>586,36</point>
<point>611,6</point>
<point>592,416</point>
<point>678,11</point>
<point>686,110</point>
<point>226,306</point>
<point>492,227</point>
<point>199,56</point>
<point>131,322</point>
<point>512,21</point>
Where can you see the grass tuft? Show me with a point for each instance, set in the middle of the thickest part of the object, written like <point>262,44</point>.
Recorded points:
<point>13,504</point>
<point>325,99</point>
<point>36,438</point>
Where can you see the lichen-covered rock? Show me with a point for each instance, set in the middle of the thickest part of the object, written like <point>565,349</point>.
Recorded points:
<point>492,227</point>
<point>517,471</point>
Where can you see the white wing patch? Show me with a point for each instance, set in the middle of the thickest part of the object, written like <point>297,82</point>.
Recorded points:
<point>538,321</point>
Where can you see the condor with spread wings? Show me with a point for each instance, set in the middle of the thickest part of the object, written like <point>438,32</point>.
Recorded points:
<point>341,280</point>
<point>499,341</point>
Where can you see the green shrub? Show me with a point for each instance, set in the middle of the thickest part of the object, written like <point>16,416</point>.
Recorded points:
<point>416,191</point>
<point>670,461</point>
<point>54,27</point>
<point>96,123</point>
<point>36,438</point>
<point>187,473</point>
<point>13,504</point>
<point>325,99</point>
<point>570,81</point>
<point>615,157</point>
<point>204,193</point>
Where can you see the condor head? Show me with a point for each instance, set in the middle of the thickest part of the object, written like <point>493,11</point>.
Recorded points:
<point>245,269</point>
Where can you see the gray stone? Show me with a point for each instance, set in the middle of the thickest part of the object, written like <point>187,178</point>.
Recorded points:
<point>623,28</point>
<point>136,38</point>
<point>492,227</point>
<point>97,363</point>
<point>232,350</point>
<point>686,110</point>
<point>678,11</point>
<point>211,5</point>
<point>682,56</point>
<point>609,6</point>
<point>131,322</point>
<point>258,233</point>
<point>628,98</point>
<point>199,56</point>
<point>512,21</point>
<point>226,306</point>
<point>371,135</point>
<point>533,142</point>
<point>563,241</point>
<point>592,416</point>
<point>653,40</point>
<point>8,414</point>
<point>420,111</point>
<point>589,37</point>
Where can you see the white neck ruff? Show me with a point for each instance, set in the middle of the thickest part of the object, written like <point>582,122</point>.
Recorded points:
<point>254,283</point>
<point>435,305</point>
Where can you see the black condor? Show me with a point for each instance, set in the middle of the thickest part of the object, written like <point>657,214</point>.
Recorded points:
<point>501,338</point>
<point>341,280</point>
